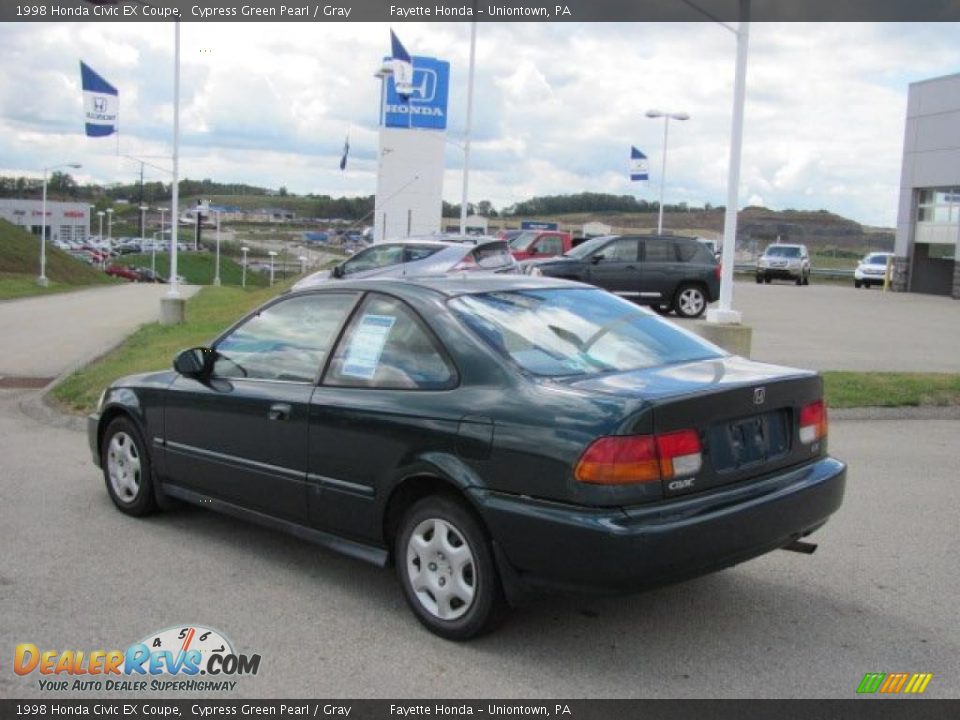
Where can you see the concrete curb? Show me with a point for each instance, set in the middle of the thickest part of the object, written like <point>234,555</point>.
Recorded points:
<point>925,412</point>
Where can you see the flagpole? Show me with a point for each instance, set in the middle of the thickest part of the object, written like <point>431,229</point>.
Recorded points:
<point>466,140</point>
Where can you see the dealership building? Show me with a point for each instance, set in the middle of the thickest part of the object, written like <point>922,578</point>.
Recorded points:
<point>65,221</point>
<point>928,217</point>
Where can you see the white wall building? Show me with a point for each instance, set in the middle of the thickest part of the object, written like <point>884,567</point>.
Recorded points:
<point>65,221</point>
<point>928,217</point>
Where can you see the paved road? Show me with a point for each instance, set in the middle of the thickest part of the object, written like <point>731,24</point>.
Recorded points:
<point>45,336</point>
<point>879,595</point>
<point>836,327</point>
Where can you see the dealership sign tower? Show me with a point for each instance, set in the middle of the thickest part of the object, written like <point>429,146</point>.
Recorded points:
<point>413,127</point>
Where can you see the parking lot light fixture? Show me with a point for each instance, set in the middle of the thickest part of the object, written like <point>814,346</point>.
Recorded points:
<point>303,264</point>
<point>42,280</point>
<point>243,271</point>
<point>667,116</point>
<point>272,255</point>
<point>100,214</point>
<point>110,226</point>
<point>143,220</point>
<point>216,277</point>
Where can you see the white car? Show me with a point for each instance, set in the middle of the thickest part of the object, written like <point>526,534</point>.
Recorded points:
<point>787,262</point>
<point>871,270</point>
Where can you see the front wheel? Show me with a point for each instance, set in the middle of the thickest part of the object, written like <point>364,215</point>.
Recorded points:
<point>446,569</point>
<point>126,468</point>
<point>690,301</point>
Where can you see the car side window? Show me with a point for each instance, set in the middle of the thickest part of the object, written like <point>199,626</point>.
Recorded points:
<point>694,252</point>
<point>386,346</point>
<point>622,250</point>
<point>286,341</point>
<point>659,251</point>
<point>375,257</point>
<point>550,246</point>
<point>412,253</point>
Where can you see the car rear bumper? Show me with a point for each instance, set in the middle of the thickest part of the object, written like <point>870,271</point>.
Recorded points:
<point>547,545</point>
<point>779,272</point>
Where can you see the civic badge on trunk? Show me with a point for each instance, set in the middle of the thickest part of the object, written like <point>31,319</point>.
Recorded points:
<point>759,395</point>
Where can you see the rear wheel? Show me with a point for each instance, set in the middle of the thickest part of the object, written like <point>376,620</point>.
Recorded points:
<point>759,279</point>
<point>766,280</point>
<point>690,301</point>
<point>857,284</point>
<point>446,569</point>
<point>806,278</point>
<point>126,468</point>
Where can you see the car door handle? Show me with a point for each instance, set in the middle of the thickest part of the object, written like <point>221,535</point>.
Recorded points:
<point>279,411</point>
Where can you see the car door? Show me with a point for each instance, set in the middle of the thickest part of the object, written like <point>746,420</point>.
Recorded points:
<point>380,404</point>
<point>660,272</point>
<point>240,435</point>
<point>615,267</point>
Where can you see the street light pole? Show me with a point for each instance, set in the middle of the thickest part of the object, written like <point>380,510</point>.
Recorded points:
<point>174,293</point>
<point>100,234</point>
<point>725,313</point>
<point>272,255</point>
<point>110,226</point>
<point>216,277</point>
<point>143,220</point>
<point>663,167</point>
<point>243,276</point>
<point>42,280</point>
<point>466,140</point>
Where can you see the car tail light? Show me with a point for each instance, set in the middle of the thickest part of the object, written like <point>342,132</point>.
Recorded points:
<point>469,262</point>
<point>718,270</point>
<point>628,459</point>
<point>813,422</point>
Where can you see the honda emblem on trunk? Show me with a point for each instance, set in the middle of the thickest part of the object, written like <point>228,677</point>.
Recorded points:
<point>759,395</point>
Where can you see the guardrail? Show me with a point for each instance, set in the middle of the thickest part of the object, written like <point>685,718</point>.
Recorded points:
<point>838,273</point>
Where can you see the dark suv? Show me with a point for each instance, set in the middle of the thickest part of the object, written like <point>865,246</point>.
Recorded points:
<point>668,273</point>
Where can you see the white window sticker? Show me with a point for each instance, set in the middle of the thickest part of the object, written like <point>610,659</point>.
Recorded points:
<point>366,345</point>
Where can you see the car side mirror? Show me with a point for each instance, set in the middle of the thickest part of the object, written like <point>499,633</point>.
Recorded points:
<point>338,271</point>
<point>196,362</point>
<point>596,258</point>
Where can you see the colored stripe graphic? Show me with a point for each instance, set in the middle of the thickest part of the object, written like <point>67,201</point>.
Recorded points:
<point>894,683</point>
<point>871,682</point>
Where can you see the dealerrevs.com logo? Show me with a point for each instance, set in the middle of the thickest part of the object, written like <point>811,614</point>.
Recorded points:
<point>188,658</point>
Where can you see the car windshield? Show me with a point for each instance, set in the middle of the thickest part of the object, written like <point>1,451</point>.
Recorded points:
<point>783,251</point>
<point>586,248</point>
<point>877,260</point>
<point>523,241</point>
<point>560,332</point>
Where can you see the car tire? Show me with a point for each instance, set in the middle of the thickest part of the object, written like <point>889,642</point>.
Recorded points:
<point>690,301</point>
<point>440,548</point>
<point>759,279</point>
<point>126,468</point>
<point>766,279</point>
<point>799,279</point>
<point>857,284</point>
<point>806,278</point>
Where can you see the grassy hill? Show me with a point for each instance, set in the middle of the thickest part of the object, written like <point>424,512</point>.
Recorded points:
<point>20,266</point>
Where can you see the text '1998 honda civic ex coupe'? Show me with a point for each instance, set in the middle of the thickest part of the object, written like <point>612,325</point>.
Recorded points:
<point>490,436</point>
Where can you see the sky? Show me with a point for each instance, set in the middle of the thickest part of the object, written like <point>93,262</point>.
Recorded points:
<point>556,106</point>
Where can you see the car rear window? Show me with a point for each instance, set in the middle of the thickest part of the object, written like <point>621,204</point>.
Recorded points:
<point>492,255</point>
<point>783,251</point>
<point>695,252</point>
<point>562,332</point>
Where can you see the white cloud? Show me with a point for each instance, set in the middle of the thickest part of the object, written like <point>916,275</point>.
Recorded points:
<point>556,106</point>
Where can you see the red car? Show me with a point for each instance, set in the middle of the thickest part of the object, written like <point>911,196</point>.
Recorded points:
<point>122,271</point>
<point>540,244</point>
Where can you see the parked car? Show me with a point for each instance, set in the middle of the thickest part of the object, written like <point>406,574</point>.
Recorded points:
<point>148,275</point>
<point>871,270</point>
<point>784,262</point>
<point>540,244</point>
<point>122,271</point>
<point>412,258</point>
<point>669,273</point>
<point>491,436</point>
<point>507,235</point>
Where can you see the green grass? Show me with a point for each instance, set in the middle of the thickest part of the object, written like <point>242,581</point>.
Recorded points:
<point>890,389</point>
<point>153,346</point>
<point>20,266</point>
<point>198,268</point>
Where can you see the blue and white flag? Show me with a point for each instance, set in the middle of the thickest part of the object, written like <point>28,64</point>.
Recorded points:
<point>639,168</point>
<point>101,103</point>
<point>346,151</point>
<point>402,67</point>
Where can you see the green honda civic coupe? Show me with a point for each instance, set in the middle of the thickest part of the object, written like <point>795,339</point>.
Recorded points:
<point>492,437</point>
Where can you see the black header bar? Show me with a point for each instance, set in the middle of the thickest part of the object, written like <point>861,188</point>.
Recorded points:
<point>398,11</point>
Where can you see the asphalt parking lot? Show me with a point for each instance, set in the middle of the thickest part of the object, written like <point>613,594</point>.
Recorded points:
<point>879,594</point>
<point>836,327</point>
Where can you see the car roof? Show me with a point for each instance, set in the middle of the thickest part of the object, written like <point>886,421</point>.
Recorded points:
<point>796,245</point>
<point>467,283</point>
